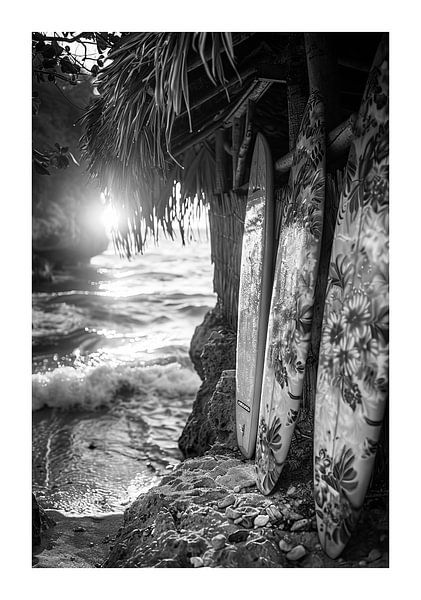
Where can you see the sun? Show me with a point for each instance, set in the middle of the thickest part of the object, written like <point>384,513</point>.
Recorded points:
<point>109,218</point>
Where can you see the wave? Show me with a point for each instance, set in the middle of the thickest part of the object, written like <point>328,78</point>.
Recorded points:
<point>90,387</point>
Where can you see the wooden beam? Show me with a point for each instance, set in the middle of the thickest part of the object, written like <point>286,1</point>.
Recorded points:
<point>218,90</point>
<point>338,141</point>
<point>254,92</point>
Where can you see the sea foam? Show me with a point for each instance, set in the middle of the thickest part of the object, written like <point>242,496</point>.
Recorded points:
<point>91,387</point>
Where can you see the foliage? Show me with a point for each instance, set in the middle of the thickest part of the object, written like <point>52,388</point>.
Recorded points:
<point>56,59</point>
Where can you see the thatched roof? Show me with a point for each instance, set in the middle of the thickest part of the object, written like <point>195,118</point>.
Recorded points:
<point>163,97</point>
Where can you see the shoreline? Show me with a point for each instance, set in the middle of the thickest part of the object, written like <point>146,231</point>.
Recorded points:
<point>207,511</point>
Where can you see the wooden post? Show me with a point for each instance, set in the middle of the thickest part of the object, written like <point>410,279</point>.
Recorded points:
<point>322,74</point>
<point>297,85</point>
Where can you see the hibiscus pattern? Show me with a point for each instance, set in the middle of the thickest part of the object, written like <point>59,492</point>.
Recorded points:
<point>352,386</point>
<point>291,311</point>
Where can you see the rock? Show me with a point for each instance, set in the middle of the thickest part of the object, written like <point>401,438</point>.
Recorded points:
<point>274,514</point>
<point>232,513</point>
<point>299,525</point>
<point>248,514</point>
<point>362,563</point>
<point>79,529</point>
<point>285,545</point>
<point>221,410</point>
<point>218,354</point>
<point>213,321</point>
<point>238,536</point>
<point>218,541</point>
<point>196,561</point>
<point>227,501</point>
<point>294,516</point>
<point>373,555</point>
<point>261,520</point>
<point>238,477</point>
<point>92,446</point>
<point>296,553</point>
<point>209,558</point>
<point>291,491</point>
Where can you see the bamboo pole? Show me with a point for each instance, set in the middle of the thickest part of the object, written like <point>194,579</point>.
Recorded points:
<point>338,142</point>
<point>244,148</point>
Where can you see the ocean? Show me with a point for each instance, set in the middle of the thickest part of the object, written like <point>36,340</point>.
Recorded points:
<point>112,382</point>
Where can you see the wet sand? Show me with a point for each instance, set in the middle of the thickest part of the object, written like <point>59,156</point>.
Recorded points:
<point>76,542</point>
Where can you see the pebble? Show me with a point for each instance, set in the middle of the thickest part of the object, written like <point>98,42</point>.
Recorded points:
<point>295,516</point>
<point>231,513</point>
<point>98,565</point>
<point>291,490</point>
<point>383,537</point>
<point>285,546</point>
<point>298,525</point>
<point>318,547</point>
<point>92,446</point>
<point>297,553</point>
<point>238,536</point>
<point>237,489</point>
<point>91,544</point>
<point>238,521</point>
<point>79,528</point>
<point>261,520</point>
<point>374,554</point>
<point>362,563</point>
<point>218,541</point>
<point>227,501</point>
<point>196,561</point>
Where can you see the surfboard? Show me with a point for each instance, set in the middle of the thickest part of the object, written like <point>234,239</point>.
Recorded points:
<point>292,301</point>
<point>254,294</point>
<point>352,386</point>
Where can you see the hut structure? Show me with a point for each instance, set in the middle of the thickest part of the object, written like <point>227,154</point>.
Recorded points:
<point>186,107</point>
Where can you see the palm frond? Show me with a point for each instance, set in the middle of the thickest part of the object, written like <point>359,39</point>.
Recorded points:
<point>128,129</point>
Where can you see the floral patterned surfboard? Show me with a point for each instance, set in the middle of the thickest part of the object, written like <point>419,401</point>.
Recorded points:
<point>352,385</point>
<point>291,308</point>
<point>254,296</point>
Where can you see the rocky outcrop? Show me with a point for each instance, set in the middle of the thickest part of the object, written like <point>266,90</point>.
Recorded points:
<point>213,321</point>
<point>217,355</point>
<point>208,513</point>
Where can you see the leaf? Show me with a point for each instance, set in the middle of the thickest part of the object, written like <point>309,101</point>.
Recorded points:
<point>74,159</point>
